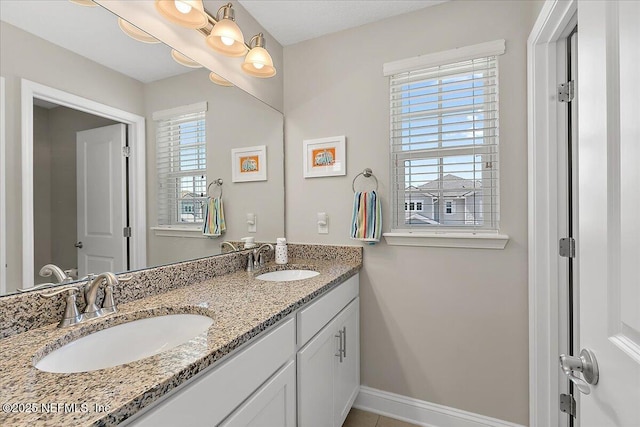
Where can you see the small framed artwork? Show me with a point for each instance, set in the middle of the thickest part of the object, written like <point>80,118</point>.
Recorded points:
<point>324,157</point>
<point>249,164</point>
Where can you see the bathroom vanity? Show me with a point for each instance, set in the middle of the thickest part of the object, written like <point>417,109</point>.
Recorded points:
<point>279,353</point>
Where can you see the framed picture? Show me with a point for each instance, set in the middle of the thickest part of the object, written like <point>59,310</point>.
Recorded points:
<point>249,164</point>
<point>324,157</point>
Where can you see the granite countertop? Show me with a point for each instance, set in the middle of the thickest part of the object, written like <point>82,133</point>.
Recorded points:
<point>240,306</point>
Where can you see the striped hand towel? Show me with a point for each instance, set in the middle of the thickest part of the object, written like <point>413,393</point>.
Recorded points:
<point>366,222</point>
<point>214,224</point>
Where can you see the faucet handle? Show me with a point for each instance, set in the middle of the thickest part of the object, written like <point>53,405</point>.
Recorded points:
<point>71,289</point>
<point>124,279</point>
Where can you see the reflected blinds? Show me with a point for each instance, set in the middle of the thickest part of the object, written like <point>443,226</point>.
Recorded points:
<point>444,146</point>
<point>182,168</point>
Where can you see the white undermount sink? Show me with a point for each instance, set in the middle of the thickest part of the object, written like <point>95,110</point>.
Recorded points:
<point>125,343</point>
<point>287,275</point>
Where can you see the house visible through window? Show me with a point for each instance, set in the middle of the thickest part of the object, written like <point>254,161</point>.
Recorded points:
<point>444,144</point>
<point>181,164</point>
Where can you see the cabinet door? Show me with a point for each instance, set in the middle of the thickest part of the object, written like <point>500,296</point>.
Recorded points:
<point>347,373</point>
<point>274,404</point>
<point>316,363</point>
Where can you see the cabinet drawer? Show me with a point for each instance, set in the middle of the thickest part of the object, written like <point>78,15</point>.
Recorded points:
<point>214,394</point>
<point>319,313</point>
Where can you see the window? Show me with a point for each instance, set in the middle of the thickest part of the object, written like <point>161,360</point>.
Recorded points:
<point>449,207</point>
<point>181,164</point>
<point>444,138</point>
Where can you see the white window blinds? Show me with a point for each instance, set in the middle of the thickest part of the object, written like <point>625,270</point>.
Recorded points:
<point>444,146</point>
<point>181,165</point>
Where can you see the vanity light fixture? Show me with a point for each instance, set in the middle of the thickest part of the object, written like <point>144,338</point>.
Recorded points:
<point>88,3</point>
<point>135,32</point>
<point>184,59</point>
<point>226,37</point>
<point>215,78</point>
<point>258,62</point>
<point>188,13</point>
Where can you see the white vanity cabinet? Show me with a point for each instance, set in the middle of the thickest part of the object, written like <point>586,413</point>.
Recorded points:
<point>305,372</point>
<point>214,394</point>
<point>329,363</point>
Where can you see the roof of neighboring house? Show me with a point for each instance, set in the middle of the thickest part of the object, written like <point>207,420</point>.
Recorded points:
<point>416,218</point>
<point>451,185</point>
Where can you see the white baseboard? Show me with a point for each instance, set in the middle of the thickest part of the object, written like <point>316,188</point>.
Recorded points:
<point>420,412</point>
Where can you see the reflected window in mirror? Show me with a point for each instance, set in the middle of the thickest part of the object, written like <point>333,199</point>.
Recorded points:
<point>181,164</point>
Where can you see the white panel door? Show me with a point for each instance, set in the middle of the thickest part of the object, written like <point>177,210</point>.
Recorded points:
<point>609,208</point>
<point>101,204</point>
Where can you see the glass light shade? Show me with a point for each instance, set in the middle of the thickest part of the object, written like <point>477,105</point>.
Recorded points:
<point>88,3</point>
<point>184,60</point>
<point>219,80</point>
<point>227,31</point>
<point>258,63</point>
<point>135,32</point>
<point>195,17</point>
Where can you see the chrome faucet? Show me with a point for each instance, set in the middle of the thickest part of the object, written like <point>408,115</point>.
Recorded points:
<point>91,311</point>
<point>258,259</point>
<point>51,269</point>
<point>231,245</point>
<point>91,293</point>
<point>255,258</point>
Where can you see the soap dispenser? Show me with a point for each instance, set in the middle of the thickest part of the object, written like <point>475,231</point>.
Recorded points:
<point>281,251</point>
<point>249,242</point>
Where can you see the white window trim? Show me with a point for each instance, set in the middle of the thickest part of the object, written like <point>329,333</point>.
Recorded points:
<point>447,239</point>
<point>465,239</point>
<point>493,48</point>
<point>179,231</point>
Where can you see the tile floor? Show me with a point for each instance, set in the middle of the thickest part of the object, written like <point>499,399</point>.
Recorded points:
<point>360,418</point>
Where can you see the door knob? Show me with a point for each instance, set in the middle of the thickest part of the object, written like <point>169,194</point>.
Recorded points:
<point>585,364</point>
<point>78,245</point>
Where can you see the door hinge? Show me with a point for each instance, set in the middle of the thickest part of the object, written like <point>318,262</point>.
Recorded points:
<point>566,91</point>
<point>567,247</point>
<point>568,404</point>
<point>126,151</point>
<point>126,232</point>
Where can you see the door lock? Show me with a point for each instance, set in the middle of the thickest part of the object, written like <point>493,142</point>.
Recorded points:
<point>585,364</point>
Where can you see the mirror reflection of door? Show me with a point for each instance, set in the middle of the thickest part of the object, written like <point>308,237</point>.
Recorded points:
<point>101,207</point>
<point>57,205</point>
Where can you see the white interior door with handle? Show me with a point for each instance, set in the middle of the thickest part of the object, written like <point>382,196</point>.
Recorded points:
<point>609,208</point>
<point>101,206</point>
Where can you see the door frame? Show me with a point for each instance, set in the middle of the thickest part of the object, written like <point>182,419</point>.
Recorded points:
<point>137,174</point>
<point>3,212</point>
<point>544,142</point>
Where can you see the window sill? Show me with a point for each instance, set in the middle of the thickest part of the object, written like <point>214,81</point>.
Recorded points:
<point>178,231</point>
<point>447,240</point>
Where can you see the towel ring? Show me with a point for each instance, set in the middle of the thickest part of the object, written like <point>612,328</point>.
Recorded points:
<point>218,183</point>
<point>367,173</point>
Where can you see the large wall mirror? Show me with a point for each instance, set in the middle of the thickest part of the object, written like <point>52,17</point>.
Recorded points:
<point>87,107</point>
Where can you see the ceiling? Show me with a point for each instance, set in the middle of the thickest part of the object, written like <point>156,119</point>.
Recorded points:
<point>93,32</point>
<point>291,21</point>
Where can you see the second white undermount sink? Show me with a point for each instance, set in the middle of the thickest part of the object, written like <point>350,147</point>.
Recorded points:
<point>287,275</point>
<point>125,343</point>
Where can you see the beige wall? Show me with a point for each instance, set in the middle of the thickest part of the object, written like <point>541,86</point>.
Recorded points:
<point>41,190</point>
<point>448,326</point>
<point>234,119</point>
<point>24,55</point>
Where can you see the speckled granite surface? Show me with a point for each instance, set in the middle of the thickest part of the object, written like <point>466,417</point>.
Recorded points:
<point>240,305</point>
